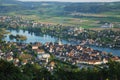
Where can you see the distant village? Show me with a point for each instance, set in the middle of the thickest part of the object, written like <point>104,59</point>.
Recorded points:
<point>104,38</point>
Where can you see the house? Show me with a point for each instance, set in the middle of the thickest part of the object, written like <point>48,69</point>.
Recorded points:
<point>16,61</point>
<point>95,62</point>
<point>34,47</point>
<point>107,25</point>
<point>52,64</point>
<point>51,50</point>
<point>24,62</point>
<point>105,61</point>
<point>25,56</point>
<point>46,55</point>
<point>40,51</point>
<point>9,58</point>
<point>41,56</point>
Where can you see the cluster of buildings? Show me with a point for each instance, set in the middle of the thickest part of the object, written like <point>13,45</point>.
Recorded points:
<point>107,25</point>
<point>14,21</point>
<point>15,54</point>
<point>21,54</point>
<point>76,54</point>
<point>20,21</point>
<point>104,38</point>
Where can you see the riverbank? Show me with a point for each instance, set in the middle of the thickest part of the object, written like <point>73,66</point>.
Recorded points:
<point>32,37</point>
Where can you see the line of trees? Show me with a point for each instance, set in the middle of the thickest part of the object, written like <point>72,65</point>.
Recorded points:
<point>32,72</point>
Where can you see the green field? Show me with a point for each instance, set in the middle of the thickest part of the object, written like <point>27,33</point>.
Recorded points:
<point>84,15</point>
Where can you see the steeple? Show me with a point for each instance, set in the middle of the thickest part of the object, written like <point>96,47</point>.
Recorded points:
<point>59,42</point>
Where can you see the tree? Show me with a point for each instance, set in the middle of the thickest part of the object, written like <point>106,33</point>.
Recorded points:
<point>9,72</point>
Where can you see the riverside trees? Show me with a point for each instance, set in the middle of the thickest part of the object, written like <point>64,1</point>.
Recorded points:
<point>18,37</point>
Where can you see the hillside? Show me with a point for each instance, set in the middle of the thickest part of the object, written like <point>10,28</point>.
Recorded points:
<point>61,7</point>
<point>93,7</point>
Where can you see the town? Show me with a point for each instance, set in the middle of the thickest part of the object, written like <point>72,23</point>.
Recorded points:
<point>21,53</point>
<point>57,40</point>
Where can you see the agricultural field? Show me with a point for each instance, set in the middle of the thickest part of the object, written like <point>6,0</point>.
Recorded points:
<point>86,15</point>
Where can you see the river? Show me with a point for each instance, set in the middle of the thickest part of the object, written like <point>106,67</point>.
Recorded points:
<point>32,37</point>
